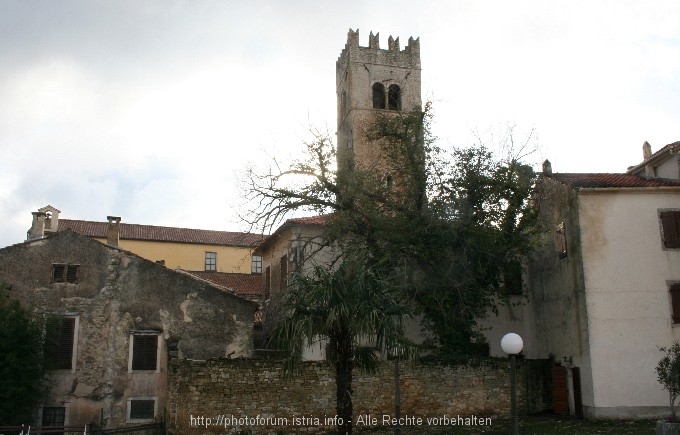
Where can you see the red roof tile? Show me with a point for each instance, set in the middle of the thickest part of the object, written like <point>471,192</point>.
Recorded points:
<point>318,220</point>
<point>161,234</point>
<point>242,284</point>
<point>579,181</point>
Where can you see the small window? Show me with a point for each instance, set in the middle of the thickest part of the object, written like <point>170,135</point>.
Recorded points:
<point>394,97</point>
<point>561,237</point>
<point>211,261</point>
<point>144,352</point>
<point>60,333</point>
<point>674,290</point>
<point>257,264</point>
<point>378,96</point>
<point>670,227</point>
<point>141,409</point>
<point>267,282</point>
<point>65,273</point>
<point>54,416</point>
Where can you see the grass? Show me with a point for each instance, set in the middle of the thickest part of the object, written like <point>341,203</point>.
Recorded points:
<point>534,425</point>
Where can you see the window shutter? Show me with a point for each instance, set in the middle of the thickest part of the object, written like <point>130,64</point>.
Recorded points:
<point>144,352</point>
<point>58,272</point>
<point>72,273</point>
<point>59,342</point>
<point>675,301</point>
<point>670,223</point>
<point>283,283</point>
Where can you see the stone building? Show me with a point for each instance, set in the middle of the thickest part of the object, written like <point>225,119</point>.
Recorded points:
<point>371,81</point>
<point>604,285</point>
<point>112,317</point>
<point>224,258</point>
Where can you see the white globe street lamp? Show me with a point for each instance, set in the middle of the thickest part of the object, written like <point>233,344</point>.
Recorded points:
<point>512,344</point>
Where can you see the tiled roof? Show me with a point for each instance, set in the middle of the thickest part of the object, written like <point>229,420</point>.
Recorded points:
<point>310,220</point>
<point>318,220</point>
<point>666,151</point>
<point>579,181</point>
<point>242,284</point>
<point>160,234</point>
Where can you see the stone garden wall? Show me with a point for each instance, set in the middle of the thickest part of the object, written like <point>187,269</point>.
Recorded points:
<point>230,396</point>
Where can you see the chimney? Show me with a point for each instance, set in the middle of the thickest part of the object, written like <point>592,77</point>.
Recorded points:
<point>113,230</point>
<point>37,230</point>
<point>547,167</point>
<point>646,151</point>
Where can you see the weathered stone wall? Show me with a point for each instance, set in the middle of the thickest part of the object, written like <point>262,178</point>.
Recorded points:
<point>206,396</point>
<point>115,294</point>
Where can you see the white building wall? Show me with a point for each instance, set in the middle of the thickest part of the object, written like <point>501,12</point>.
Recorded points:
<point>626,270</point>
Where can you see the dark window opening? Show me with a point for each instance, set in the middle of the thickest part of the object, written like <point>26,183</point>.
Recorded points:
<point>675,301</point>
<point>59,340</point>
<point>670,225</point>
<point>394,97</point>
<point>210,261</point>
<point>142,409</point>
<point>512,278</point>
<point>54,416</point>
<point>267,282</point>
<point>378,96</point>
<point>144,351</point>
<point>65,273</point>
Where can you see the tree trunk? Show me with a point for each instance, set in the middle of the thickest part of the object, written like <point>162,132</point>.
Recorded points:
<point>343,381</point>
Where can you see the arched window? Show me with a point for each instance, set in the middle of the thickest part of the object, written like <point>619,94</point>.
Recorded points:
<point>394,97</point>
<point>378,96</point>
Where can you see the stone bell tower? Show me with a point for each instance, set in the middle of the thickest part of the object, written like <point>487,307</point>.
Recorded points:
<point>370,81</point>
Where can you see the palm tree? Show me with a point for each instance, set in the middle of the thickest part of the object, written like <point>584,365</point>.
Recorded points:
<point>355,309</point>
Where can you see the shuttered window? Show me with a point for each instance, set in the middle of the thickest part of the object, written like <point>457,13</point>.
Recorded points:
<point>670,226</point>
<point>142,409</point>
<point>144,352</point>
<point>675,301</point>
<point>283,283</point>
<point>59,340</point>
<point>65,273</point>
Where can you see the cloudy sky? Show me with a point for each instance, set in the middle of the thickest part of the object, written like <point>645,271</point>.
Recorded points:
<point>150,110</point>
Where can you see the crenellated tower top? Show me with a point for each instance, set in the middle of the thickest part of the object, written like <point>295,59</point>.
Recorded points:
<point>370,80</point>
<point>353,52</point>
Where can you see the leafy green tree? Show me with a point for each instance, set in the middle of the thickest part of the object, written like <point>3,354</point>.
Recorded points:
<point>22,373</point>
<point>447,231</point>
<point>355,310</point>
<point>668,374</point>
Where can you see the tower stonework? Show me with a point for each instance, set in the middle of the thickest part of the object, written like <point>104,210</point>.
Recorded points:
<point>369,81</point>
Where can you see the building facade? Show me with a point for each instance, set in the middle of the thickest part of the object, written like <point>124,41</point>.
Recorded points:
<point>112,317</point>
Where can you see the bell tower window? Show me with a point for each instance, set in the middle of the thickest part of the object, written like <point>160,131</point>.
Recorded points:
<point>394,97</point>
<point>378,96</point>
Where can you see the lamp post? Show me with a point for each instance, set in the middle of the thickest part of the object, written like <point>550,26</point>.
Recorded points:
<point>512,344</point>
